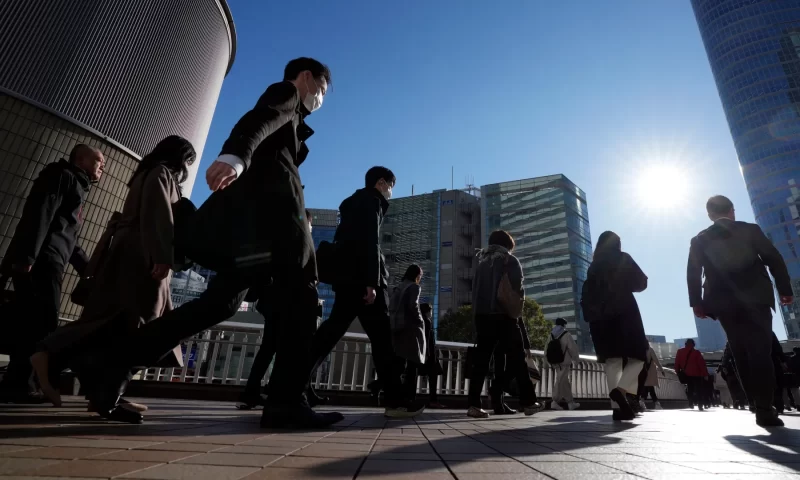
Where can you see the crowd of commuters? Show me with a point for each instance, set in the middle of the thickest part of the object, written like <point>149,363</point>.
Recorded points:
<point>267,255</point>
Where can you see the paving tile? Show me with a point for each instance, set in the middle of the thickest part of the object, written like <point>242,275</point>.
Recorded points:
<point>175,471</point>
<point>402,466</point>
<point>559,469</point>
<point>15,465</point>
<point>319,464</point>
<point>778,467</point>
<point>89,468</point>
<point>273,473</point>
<point>474,447</point>
<point>417,448</point>
<point>405,476</point>
<point>324,452</point>
<point>646,468</point>
<point>257,450</point>
<point>502,476</point>
<point>159,456</point>
<point>14,448</point>
<point>182,447</point>
<point>466,457</point>
<point>489,467</point>
<point>727,467</point>
<point>16,477</point>
<point>232,459</point>
<point>549,457</point>
<point>404,456</point>
<point>61,453</point>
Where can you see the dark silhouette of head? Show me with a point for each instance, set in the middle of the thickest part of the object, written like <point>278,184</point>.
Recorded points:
<point>561,322</point>
<point>175,153</point>
<point>719,207</point>
<point>413,273</point>
<point>503,239</point>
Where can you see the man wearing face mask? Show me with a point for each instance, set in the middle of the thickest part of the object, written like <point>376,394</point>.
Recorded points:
<point>253,232</point>
<point>362,284</point>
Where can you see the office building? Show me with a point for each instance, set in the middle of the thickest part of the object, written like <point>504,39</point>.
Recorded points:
<point>754,51</point>
<point>710,335</point>
<point>324,223</point>
<point>119,76</point>
<point>664,350</point>
<point>656,338</point>
<point>440,232</point>
<point>549,220</point>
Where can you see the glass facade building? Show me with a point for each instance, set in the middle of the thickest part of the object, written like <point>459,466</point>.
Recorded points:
<point>549,220</point>
<point>323,228</point>
<point>710,335</point>
<point>754,51</point>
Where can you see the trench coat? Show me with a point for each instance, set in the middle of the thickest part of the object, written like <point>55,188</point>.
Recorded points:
<point>138,238</point>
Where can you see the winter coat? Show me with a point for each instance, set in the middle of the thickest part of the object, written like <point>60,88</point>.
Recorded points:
<point>692,362</point>
<point>257,224</point>
<point>491,267</point>
<point>653,369</point>
<point>568,344</point>
<point>432,367</point>
<point>408,327</point>
<point>142,238</point>
<point>360,261</point>
<point>620,332</point>
<point>51,220</point>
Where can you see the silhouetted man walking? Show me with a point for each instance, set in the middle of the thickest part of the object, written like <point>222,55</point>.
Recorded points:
<point>737,291</point>
<point>252,230</point>
<point>46,239</point>
<point>362,286</point>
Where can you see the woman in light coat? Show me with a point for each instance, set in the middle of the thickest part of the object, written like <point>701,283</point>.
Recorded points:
<point>650,379</point>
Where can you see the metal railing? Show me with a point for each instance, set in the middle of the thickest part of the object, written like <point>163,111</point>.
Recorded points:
<point>225,356</point>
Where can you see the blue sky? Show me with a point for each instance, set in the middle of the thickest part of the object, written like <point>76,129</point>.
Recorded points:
<point>608,93</point>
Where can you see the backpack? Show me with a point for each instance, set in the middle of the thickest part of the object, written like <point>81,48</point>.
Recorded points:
<point>554,353</point>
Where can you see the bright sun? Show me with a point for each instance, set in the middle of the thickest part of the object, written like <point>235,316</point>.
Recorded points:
<point>662,187</point>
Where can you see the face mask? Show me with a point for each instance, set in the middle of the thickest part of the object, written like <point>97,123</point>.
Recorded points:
<point>313,101</point>
<point>387,194</point>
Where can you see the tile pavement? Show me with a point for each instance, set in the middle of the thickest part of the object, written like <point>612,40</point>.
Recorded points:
<point>214,441</point>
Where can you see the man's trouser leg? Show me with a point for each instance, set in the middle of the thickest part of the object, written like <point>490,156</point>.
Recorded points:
<point>486,332</point>
<point>346,307</point>
<point>266,352</point>
<point>510,339</point>
<point>39,298</point>
<point>296,322</point>
<point>749,331</point>
<point>375,321</point>
<point>563,387</point>
<point>146,345</point>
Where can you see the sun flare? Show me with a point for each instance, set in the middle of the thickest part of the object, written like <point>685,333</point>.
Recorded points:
<point>662,187</point>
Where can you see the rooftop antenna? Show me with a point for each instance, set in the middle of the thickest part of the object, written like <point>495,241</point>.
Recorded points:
<point>412,189</point>
<point>452,184</point>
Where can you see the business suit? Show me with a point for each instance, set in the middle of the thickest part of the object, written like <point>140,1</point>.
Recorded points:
<point>251,246</point>
<point>737,291</point>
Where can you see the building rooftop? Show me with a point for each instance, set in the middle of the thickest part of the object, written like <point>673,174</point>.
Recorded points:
<point>206,440</point>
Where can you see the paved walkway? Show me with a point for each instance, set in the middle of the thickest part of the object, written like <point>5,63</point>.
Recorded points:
<point>213,441</point>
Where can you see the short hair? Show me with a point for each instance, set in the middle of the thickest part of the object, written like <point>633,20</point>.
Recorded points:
<point>690,340</point>
<point>425,308</point>
<point>719,205</point>
<point>299,65</point>
<point>503,239</point>
<point>412,272</point>
<point>79,151</point>
<point>375,174</point>
<point>561,321</point>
